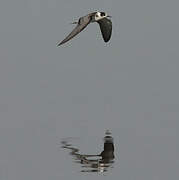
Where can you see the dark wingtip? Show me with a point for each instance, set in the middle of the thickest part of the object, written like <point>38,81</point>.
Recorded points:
<point>59,44</point>
<point>106,40</point>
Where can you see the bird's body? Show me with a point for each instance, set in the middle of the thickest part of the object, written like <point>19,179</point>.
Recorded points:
<point>99,17</point>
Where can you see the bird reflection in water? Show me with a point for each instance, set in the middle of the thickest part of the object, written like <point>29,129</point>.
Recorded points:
<point>97,162</point>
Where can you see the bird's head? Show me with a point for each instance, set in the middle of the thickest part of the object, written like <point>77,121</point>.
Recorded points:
<point>100,15</point>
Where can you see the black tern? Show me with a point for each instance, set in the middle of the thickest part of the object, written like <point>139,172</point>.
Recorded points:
<point>99,17</point>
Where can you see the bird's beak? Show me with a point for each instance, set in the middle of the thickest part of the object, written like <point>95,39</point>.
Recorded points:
<point>109,16</point>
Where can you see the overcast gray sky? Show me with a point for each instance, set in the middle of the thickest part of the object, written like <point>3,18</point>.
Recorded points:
<point>129,83</point>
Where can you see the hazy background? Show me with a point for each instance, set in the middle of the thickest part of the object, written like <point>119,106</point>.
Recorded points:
<point>129,86</point>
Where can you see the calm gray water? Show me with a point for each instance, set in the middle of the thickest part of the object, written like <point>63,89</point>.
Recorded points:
<point>57,103</point>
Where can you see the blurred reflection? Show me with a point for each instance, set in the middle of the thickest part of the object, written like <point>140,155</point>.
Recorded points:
<point>97,162</point>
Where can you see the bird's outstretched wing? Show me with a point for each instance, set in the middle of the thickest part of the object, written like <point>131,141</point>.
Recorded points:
<point>106,28</point>
<point>82,23</point>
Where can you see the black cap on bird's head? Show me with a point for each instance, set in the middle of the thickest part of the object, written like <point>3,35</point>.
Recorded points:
<point>104,14</point>
<point>100,15</point>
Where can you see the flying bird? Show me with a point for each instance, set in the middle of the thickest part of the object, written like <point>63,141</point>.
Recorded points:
<point>100,17</point>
